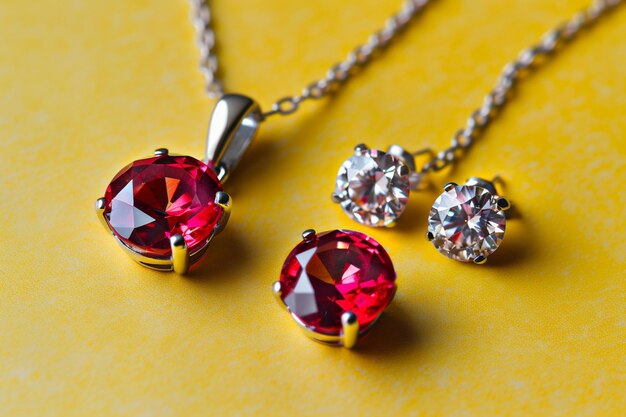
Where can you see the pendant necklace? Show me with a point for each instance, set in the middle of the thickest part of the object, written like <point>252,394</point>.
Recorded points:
<point>466,222</point>
<point>164,210</point>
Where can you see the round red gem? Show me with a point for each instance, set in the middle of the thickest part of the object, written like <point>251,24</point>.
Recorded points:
<point>335,272</point>
<point>152,199</point>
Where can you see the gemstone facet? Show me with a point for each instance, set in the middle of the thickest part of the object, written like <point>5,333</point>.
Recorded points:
<point>331,273</point>
<point>466,223</point>
<point>373,187</point>
<point>153,199</point>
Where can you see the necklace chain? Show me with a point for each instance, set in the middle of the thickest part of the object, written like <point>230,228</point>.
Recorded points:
<point>335,77</point>
<point>528,60</point>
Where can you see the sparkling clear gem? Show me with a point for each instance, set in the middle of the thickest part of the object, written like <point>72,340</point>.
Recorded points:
<point>465,222</point>
<point>152,199</point>
<point>335,272</point>
<point>373,187</point>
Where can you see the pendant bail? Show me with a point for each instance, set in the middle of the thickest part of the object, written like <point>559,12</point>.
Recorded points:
<point>234,123</point>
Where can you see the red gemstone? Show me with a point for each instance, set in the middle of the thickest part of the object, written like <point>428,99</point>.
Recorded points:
<point>335,272</point>
<point>152,199</point>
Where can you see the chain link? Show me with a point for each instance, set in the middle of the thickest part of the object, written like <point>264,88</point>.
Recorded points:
<point>512,72</point>
<point>205,41</point>
<point>335,77</point>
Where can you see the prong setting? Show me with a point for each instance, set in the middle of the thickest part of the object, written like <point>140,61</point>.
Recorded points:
<point>277,290</point>
<point>180,254</point>
<point>308,235</point>
<point>361,147</point>
<point>479,260</point>
<point>430,236</point>
<point>223,200</point>
<point>350,332</point>
<point>100,206</point>
<point>222,172</point>
<point>503,204</point>
<point>336,198</point>
<point>450,186</point>
<point>161,152</point>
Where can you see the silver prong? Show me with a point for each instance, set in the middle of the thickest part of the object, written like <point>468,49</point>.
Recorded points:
<point>222,172</point>
<point>483,183</point>
<point>350,325</point>
<point>277,290</point>
<point>430,236</point>
<point>100,206</point>
<point>503,204</point>
<point>161,152</point>
<point>449,186</point>
<point>180,254</point>
<point>360,148</point>
<point>336,198</point>
<point>480,259</point>
<point>223,200</point>
<point>308,235</point>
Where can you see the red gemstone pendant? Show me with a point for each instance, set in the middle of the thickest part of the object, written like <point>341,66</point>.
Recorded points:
<point>336,284</point>
<point>164,209</point>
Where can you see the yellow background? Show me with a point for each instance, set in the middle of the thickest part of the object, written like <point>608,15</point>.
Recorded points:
<point>88,86</point>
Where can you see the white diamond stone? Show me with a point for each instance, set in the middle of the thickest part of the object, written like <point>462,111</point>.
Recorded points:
<point>466,222</point>
<point>373,187</point>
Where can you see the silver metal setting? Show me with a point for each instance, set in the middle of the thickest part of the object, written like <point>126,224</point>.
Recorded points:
<point>308,235</point>
<point>350,333</point>
<point>351,330</point>
<point>415,176</point>
<point>449,186</point>
<point>277,291</point>
<point>360,148</point>
<point>234,124</point>
<point>223,200</point>
<point>180,254</point>
<point>100,206</point>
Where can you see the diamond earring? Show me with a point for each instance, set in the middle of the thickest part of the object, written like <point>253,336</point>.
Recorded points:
<point>336,284</point>
<point>373,186</point>
<point>467,222</point>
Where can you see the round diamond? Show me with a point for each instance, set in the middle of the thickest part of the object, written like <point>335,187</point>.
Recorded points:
<point>335,272</point>
<point>152,199</point>
<point>466,222</point>
<point>373,187</point>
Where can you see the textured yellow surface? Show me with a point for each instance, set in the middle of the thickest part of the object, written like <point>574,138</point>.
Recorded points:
<point>87,86</point>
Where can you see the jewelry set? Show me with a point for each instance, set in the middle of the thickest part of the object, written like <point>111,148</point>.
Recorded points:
<point>165,210</point>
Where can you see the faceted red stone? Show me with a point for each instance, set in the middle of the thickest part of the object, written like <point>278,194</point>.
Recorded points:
<point>152,199</point>
<point>335,272</point>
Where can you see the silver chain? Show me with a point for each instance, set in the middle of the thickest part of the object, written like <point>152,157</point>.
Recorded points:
<point>527,60</point>
<point>336,76</point>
